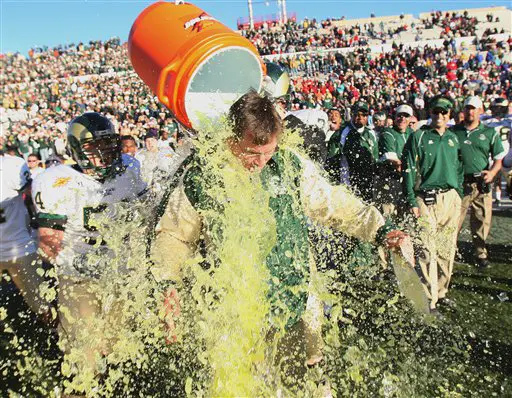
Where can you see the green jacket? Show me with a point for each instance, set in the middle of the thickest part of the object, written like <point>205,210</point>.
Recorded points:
<point>431,161</point>
<point>477,146</point>
<point>288,261</point>
<point>392,143</point>
<point>360,151</point>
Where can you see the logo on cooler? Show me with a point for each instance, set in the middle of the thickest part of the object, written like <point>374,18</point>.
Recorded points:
<point>197,23</point>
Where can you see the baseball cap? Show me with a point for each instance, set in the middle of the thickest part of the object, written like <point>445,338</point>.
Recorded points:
<point>379,116</point>
<point>499,102</point>
<point>404,108</point>
<point>441,102</point>
<point>473,101</point>
<point>361,106</point>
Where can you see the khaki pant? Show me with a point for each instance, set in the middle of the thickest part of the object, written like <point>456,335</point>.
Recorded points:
<point>83,322</point>
<point>438,234</point>
<point>33,287</point>
<point>480,217</point>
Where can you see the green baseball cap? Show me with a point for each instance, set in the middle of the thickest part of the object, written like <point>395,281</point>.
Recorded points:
<point>361,106</point>
<point>443,103</point>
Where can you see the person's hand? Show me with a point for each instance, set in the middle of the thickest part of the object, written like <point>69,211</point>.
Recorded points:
<point>488,176</point>
<point>397,164</point>
<point>416,212</point>
<point>401,243</point>
<point>394,239</point>
<point>172,310</point>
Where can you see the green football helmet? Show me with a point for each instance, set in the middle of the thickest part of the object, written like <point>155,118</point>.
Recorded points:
<point>276,84</point>
<point>94,145</point>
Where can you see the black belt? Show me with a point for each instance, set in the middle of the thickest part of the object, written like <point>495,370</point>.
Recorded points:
<point>433,191</point>
<point>470,178</point>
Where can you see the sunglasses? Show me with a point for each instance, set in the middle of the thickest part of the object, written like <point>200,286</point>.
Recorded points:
<point>438,111</point>
<point>403,116</point>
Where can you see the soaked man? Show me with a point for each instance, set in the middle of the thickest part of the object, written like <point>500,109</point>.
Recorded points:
<point>433,174</point>
<point>296,190</point>
<point>501,121</point>
<point>18,247</point>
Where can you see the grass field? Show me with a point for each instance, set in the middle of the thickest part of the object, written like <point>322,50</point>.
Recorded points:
<point>482,309</point>
<point>483,299</point>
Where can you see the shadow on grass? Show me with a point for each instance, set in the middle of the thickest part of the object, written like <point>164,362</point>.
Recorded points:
<point>483,290</point>
<point>481,277</point>
<point>498,253</point>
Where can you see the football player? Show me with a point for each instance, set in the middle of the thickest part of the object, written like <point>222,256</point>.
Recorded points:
<point>18,256</point>
<point>67,200</point>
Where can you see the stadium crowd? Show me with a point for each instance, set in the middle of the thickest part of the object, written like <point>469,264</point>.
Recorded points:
<point>41,92</point>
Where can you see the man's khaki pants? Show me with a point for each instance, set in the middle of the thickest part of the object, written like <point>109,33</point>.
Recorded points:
<point>438,234</point>
<point>85,322</point>
<point>32,285</point>
<point>480,217</point>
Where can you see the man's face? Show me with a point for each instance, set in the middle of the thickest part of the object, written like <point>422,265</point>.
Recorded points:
<point>129,147</point>
<point>360,119</point>
<point>413,123</point>
<point>380,122</point>
<point>440,117</point>
<point>164,135</point>
<point>334,120</point>
<point>254,157</point>
<point>151,144</point>
<point>472,114</point>
<point>402,121</point>
<point>101,153</point>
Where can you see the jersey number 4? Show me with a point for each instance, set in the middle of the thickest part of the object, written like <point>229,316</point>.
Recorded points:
<point>39,201</point>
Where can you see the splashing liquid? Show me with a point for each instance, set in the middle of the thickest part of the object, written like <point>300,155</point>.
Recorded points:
<point>227,342</point>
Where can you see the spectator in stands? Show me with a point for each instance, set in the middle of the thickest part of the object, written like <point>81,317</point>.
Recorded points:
<point>34,165</point>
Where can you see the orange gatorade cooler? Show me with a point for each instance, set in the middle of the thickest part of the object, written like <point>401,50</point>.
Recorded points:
<point>196,66</point>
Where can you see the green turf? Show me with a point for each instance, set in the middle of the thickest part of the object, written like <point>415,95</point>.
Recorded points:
<point>380,337</point>
<point>483,299</point>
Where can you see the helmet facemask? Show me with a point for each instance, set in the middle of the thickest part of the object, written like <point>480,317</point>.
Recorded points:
<point>100,157</point>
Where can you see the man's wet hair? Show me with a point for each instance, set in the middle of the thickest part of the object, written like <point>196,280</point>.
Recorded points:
<point>255,114</point>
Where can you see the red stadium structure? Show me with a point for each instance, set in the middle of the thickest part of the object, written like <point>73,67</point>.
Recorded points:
<point>242,23</point>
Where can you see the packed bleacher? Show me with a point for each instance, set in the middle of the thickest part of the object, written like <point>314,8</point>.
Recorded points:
<point>41,92</point>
